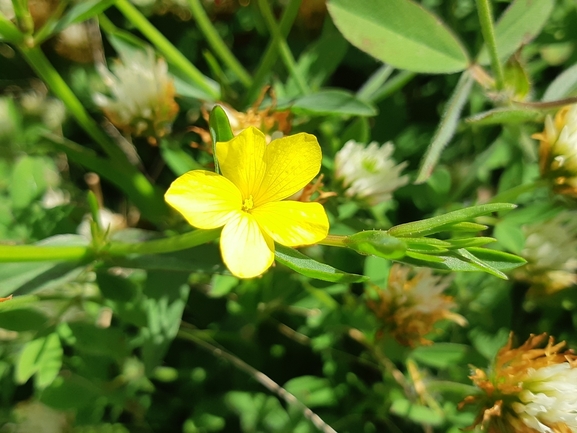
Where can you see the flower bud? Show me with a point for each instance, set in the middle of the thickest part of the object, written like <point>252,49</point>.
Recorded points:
<point>377,243</point>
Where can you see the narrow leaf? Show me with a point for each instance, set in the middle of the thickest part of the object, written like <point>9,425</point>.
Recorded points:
<point>518,25</point>
<point>400,33</point>
<point>425,226</point>
<point>83,11</point>
<point>471,242</point>
<point>562,86</point>
<point>505,115</point>
<point>447,127</point>
<point>308,267</point>
<point>332,101</point>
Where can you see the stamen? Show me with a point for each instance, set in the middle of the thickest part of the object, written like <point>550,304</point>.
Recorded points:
<point>248,204</point>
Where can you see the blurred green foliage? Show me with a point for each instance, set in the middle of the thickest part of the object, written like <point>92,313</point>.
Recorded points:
<point>167,340</point>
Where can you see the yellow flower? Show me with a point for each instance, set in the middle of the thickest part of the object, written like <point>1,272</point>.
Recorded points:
<point>247,199</point>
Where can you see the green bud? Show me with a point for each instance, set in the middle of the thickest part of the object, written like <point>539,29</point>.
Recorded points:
<point>377,243</point>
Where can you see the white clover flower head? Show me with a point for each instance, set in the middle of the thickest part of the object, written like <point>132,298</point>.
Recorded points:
<point>74,43</point>
<point>141,100</point>
<point>412,303</point>
<point>528,389</point>
<point>369,173</point>
<point>558,150</point>
<point>551,254</point>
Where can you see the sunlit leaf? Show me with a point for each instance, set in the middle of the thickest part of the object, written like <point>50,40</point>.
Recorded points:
<point>400,33</point>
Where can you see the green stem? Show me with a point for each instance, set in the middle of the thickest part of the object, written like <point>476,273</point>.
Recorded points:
<point>334,241</point>
<point>9,31</point>
<point>396,83</point>
<point>166,245</point>
<point>269,58</point>
<point>282,45</point>
<point>47,30</point>
<point>488,30</point>
<point>217,44</point>
<point>23,16</point>
<point>38,253</point>
<point>375,82</point>
<point>169,51</point>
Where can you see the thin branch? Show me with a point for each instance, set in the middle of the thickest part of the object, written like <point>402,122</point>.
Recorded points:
<point>260,377</point>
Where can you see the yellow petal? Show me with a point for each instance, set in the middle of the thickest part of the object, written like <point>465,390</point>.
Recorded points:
<point>293,223</point>
<point>207,200</point>
<point>247,251</point>
<point>291,163</point>
<point>241,160</point>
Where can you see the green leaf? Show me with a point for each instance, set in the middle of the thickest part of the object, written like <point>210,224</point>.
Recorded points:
<point>22,319</point>
<point>447,128</point>
<point>308,267</point>
<point>82,11</point>
<point>70,392</point>
<point>521,22</point>
<point>312,391</point>
<point>24,278</point>
<point>400,33</point>
<point>564,85</point>
<point>498,259</point>
<point>417,413</point>
<point>468,260</point>
<point>441,355</point>
<point>331,102</point>
<point>505,115</point>
<point>115,287</point>
<point>470,242</point>
<point>90,339</point>
<point>30,177</point>
<point>166,294</point>
<point>510,236</point>
<point>321,59</point>
<point>41,357</point>
<point>177,158</point>
<point>443,222</point>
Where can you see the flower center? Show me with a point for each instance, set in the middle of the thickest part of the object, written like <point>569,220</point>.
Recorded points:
<point>248,204</point>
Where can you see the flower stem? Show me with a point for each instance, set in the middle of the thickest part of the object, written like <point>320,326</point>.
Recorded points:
<point>334,241</point>
<point>282,45</point>
<point>9,31</point>
<point>217,44</point>
<point>488,30</point>
<point>39,253</point>
<point>375,82</point>
<point>391,86</point>
<point>23,17</point>
<point>169,51</point>
<point>267,61</point>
